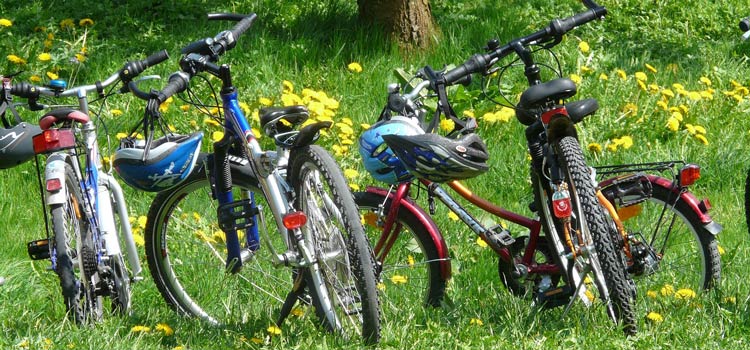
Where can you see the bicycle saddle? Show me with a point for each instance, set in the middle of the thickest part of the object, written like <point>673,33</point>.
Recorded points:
<point>271,118</point>
<point>58,116</point>
<point>535,96</point>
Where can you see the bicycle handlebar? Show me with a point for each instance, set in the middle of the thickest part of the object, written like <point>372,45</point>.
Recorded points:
<point>129,71</point>
<point>555,30</point>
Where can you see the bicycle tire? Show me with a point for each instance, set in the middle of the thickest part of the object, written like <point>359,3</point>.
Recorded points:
<point>340,246</point>
<point>612,281</point>
<point>689,256</point>
<point>72,232</point>
<point>414,248</point>
<point>185,253</point>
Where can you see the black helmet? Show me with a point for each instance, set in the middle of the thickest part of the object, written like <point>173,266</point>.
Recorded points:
<point>438,158</point>
<point>15,144</point>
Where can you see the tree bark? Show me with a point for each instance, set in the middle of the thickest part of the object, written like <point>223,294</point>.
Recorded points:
<point>408,21</point>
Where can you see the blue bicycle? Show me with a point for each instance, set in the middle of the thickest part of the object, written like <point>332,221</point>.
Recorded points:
<point>204,234</point>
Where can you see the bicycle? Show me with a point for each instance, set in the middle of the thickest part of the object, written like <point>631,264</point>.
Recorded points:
<point>83,203</point>
<point>320,238</point>
<point>410,246</point>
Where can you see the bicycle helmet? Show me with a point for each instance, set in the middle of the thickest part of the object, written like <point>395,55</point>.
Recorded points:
<point>168,161</point>
<point>438,158</point>
<point>378,158</point>
<point>16,146</point>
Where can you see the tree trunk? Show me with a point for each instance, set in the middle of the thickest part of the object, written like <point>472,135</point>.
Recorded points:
<point>408,21</point>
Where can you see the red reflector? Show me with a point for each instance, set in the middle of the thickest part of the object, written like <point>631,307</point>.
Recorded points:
<point>689,174</point>
<point>294,220</point>
<point>53,140</point>
<point>53,185</point>
<point>705,205</point>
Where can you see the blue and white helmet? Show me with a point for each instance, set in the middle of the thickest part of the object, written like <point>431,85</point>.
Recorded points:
<point>378,158</point>
<point>169,161</point>
<point>16,146</point>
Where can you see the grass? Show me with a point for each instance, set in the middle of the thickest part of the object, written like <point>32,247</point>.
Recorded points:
<point>310,45</point>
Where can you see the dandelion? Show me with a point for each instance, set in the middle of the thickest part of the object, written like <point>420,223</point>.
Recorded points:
<point>265,101</point>
<point>625,141</point>
<point>641,85</point>
<point>684,293</point>
<point>410,260</point>
<point>35,78</point>
<point>142,220</point>
<point>452,216</point>
<point>667,93</point>
<point>586,69</point>
<point>354,67</point>
<point>138,238</point>
<point>140,329</point>
<point>79,58</point>
<point>116,112</point>
<point>178,347</point>
<point>630,109</point>
<point>67,23</point>
<point>653,88</point>
<point>23,344</point>
<point>447,125</point>
<point>273,330</point>
<point>730,300</point>
<point>52,75</point>
<point>700,129</point>
<point>595,148</point>
<point>694,95</point>
<point>481,243</point>
<point>164,328</point>
<point>673,124</point>
<point>476,322</point>
<point>15,59</point>
<point>584,47</point>
<point>590,296</point>
<point>44,57</point>
<point>603,77</point>
<point>398,279</point>
<point>4,22</point>
<point>676,114</point>
<point>651,294</point>
<point>721,249</point>
<point>640,76</point>
<point>211,122</point>
<point>702,139</point>
<point>297,311</point>
<point>662,104</point>
<point>469,113</point>
<point>86,22</point>
<point>705,81</point>
<point>351,174</point>
<point>654,317</point>
<point>380,286</point>
<point>575,78</point>
<point>216,136</point>
<point>667,290</point>
<point>650,68</point>
<point>621,73</point>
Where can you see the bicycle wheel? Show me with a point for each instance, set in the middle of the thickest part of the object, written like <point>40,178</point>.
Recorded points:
<point>334,231</point>
<point>186,252</point>
<point>605,265</point>
<point>120,291</point>
<point>412,260</point>
<point>75,265</point>
<point>669,244</point>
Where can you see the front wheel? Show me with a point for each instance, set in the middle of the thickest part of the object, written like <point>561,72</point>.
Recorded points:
<point>584,239</point>
<point>344,287</point>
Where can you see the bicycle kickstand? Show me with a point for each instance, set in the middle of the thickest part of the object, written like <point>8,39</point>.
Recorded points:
<point>586,270</point>
<point>295,294</point>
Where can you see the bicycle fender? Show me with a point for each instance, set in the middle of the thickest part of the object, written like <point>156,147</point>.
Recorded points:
<point>699,207</point>
<point>55,169</point>
<point>427,222</point>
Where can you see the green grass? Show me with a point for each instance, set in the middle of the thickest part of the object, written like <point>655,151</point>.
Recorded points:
<point>310,45</point>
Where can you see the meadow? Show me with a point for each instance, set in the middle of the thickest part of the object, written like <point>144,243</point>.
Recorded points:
<point>672,81</point>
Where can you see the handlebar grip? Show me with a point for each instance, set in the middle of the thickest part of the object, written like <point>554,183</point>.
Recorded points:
<point>475,64</point>
<point>562,26</point>
<point>243,25</point>
<point>178,82</point>
<point>745,24</point>
<point>134,68</point>
<point>24,90</point>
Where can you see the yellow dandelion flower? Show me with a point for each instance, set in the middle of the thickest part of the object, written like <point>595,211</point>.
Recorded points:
<point>185,108</point>
<point>612,147</point>
<point>447,125</point>
<point>469,113</point>
<point>673,124</point>
<point>595,148</point>
<point>481,243</point>
<point>216,136</point>
<point>678,86</point>
<point>667,93</point>
<point>630,109</point>
<point>654,317</point>
<point>690,128</point>
<point>140,329</point>
<point>708,95</point>
<point>15,59</point>
<point>650,68</point>
<point>684,293</point>
<point>290,99</point>
<point>705,81</point>
<point>4,22</point>
<point>196,216</point>
<point>23,344</point>
<point>662,104</point>
<point>702,139</point>
<point>590,296</point>
<point>575,78</point>
<point>584,47</point>
<point>138,238</point>
<point>211,122</point>
<point>641,76</point>
<point>178,347</point>
<point>603,77</point>
<point>351,174</point>
<point>44,57</point>
<point>651,294</point>
<point>729,300</point>
<point>700,129</point>
<point>653,88</point>
<point>641,85</point>
<point>86,22</point>
<point>52,75</point>
<point>586,69</point>
<point>667,290</point>
<point>677,114</point>
<point>116,112</point>
<point>67,23</point>
<point>380,286</point>
<point>453,216</point>
<point>410,260</point>
<point>625,141</point>
<point>164,328</point>
<point>621,73</point>
<point>142,220</point>
<point>35,78</point>
<point>273,330</point>
<point>398,279</point>
<point>354,67</point>
<point>476,322</point>
<point>80,57</point>
<point>265,101</point>
<point>721,249</point>
<point>287,87</point>
<point>297,311</point>
<point>694,95</point>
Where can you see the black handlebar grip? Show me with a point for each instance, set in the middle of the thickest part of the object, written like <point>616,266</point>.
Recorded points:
<point>243,25</point>
<point>24,90</point>
<point>745,24</point>
<point>134,68</point>
<point>178,82</point>
<point>475,64</point>
<point>562,26</point>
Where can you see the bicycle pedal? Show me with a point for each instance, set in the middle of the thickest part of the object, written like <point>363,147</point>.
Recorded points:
<point>500,235</point>
<point>38,250</point>
<point>236,215</point>
<point>554,297</point>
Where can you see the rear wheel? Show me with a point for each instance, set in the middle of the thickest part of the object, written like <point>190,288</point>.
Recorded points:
<point>75,263</point>
<point>335,233</point>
